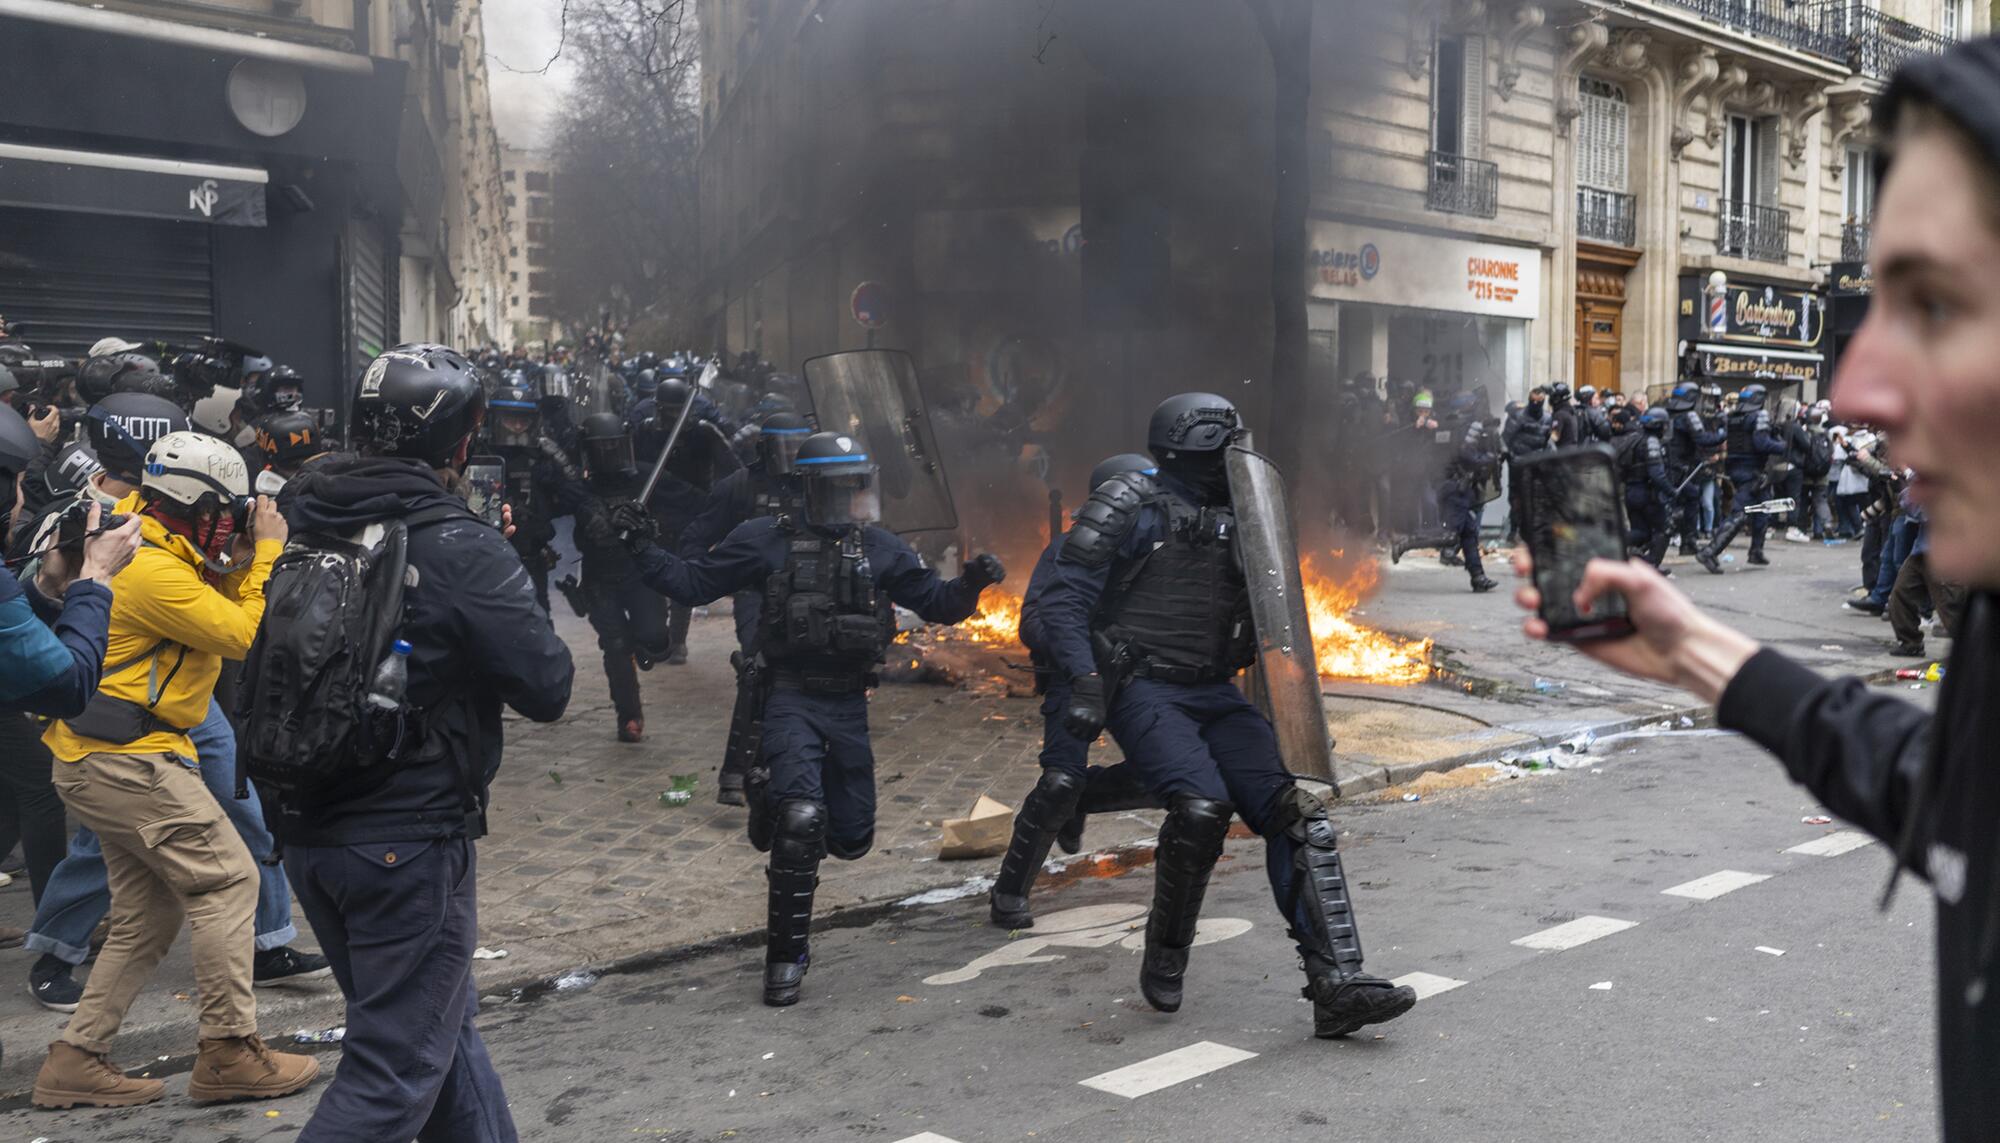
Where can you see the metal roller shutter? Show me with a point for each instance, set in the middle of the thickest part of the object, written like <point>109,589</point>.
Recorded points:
<point>371,317</point>
<point>70,279</point>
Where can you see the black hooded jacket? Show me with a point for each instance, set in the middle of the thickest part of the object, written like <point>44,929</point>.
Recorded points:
<point>1927,785</point>
<point>477,638</point>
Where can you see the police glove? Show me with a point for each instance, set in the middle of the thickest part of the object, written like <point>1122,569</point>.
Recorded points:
<point>983,571</point>
<point>633,524</point>
<point>1084,716</point>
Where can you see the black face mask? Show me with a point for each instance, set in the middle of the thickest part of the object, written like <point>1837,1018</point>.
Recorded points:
<point>1204,474</point>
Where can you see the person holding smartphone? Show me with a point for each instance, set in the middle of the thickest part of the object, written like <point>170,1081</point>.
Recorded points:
<point>1925,367</point>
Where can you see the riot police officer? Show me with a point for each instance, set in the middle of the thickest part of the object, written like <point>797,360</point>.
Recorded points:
<point>701,459</point>
<point>1566,420</point>
<point>830,578</point>
<point>1070,789</point>
<point>1752,443</point>
<point>1689,442</point>
<point>630,619</point>
<point>1471,471</point>
<point>1596,419</point>
<point>1527,433</point>
<point>536,471</point>
<point>1642,466</point>
<point>768,487</point>
<point>1148,616</point>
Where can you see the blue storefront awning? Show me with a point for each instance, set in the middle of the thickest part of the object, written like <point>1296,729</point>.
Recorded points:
<point>97,182</point>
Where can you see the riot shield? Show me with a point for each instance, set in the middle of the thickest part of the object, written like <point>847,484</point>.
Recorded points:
<point>1288,672</point>
<point>872,394</point>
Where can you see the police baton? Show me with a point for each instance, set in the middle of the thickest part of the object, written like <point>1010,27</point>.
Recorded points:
<point>1690,477</point>
<point>673,438</point>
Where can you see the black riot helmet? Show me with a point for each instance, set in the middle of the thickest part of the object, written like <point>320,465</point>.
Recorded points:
<point>1559,395</point>
<point>1751,398</point>
<point>672,393</point>
<point>1191,424</point>
<point>123,426</point>
<point>646,382</point>
<point>99,377</point>
<point>607,447</point>
<point>839,481</point>
<point>1584,393</point>
<point>514,417</point>
<point>1684,398</point>
<point>1654,421</point>
<point>279,388</point>
<point>1121,464</point>
<point>419,401</point>
<point>779,438</point>
<point>19,446</point>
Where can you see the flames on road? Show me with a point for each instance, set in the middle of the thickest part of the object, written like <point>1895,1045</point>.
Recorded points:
<point>1344,648</point>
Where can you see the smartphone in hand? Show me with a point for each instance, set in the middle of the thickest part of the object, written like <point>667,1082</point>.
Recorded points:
<point>486,487</point>
<point>1575,513</point>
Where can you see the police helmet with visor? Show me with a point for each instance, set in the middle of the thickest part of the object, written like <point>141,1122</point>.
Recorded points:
<point>839,481</point>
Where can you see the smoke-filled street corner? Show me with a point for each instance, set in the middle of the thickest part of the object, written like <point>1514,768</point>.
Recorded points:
<point>961,570</point>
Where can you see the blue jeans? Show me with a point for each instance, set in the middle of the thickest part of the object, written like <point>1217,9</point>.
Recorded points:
<point>78,896</point>
<point>1708,503</point>
<point>1895,549</point>
<point>398,921</point>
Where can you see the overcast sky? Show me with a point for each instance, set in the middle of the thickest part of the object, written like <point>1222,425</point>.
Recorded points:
<point>521,35</point>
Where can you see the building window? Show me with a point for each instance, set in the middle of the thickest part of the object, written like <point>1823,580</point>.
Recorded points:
<point>1953,24</point>
<point>538,306</point>
<point>513,251</point>
<point>538,207</point>
<point>538,283</point>
<point>506,176</point>
<point>1750,162</point>
<point>1859,185</point>
<point>1603,135</point>
<point>540,232</point>
<point>510,198</point>
<point>513,275</point>
<point>1458,96</point>
<point>536,181</point>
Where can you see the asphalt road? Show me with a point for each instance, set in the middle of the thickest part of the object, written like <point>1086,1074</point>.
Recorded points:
<point>1782,1009</point>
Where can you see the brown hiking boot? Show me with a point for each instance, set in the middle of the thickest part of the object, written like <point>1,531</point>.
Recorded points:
<point>244,1068</point>
<point>72,1076</point>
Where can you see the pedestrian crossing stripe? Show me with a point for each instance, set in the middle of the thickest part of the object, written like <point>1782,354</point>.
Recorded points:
<point>1164,1071</point>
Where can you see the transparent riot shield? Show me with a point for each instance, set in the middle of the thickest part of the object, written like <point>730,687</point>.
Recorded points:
<point>1287,670</point>
<point>872,394</point>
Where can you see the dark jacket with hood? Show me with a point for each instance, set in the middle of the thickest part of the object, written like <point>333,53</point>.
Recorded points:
<point>1927,785</point>
<point>478,640</point>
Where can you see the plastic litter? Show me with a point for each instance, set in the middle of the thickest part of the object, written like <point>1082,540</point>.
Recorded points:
<point>1580,743</point>
<point>1413,797</point>
<point>1549,687</point>
<point>1831,647</point>
<point>1686,722</point>
<point>1729,559</point>
<point>1772,952</point>
<point>576,980</point>
<point>682,790</point>
<point>323,1036</point>
<point>1816,819</point>
<point>484,953</point>
<point>1601,986</point>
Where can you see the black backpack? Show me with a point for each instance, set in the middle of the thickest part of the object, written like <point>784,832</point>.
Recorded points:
<point>1819,458</point>
<point>332,607</point>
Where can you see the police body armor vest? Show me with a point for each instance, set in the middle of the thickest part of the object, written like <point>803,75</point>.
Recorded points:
<point>1630,449</point>
<point>1183,608</point>
<point>825,623</point>
<point>1683,452</point>
<point>1742,429</point>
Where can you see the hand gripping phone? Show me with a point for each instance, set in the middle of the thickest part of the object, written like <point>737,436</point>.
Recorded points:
<point>1575,514</point>
<point>486,487</point>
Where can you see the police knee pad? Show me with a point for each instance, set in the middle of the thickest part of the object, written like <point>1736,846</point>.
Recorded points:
<point>798,833</point>
<point>1059,791</point>
<point>1194,830</point>
<point>1302,817</point>
<point>852,851</point>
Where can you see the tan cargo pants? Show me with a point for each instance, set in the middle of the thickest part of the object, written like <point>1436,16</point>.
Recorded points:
<point>169,854</point>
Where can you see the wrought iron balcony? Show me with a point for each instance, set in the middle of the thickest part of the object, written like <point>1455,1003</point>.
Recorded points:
<point>1745,230</point>
<point>1788,22</point>
<point>1854,241</point>
<point>1606,216</point>
<point>1462,185</point>
<point>1874,44</point>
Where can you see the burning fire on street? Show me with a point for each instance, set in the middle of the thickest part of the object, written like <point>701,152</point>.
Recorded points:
<point>1344,648</point>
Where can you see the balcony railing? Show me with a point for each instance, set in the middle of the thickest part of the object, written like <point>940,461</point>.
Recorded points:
<point>1762,233</point>
<point>1788,22</point>
<point>1854,241</point>
<point>1874,44</point>
<point>1606,216</point>
<point>1462,185</point>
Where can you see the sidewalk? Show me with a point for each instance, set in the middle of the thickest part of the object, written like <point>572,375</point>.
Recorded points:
<point>586,866</point>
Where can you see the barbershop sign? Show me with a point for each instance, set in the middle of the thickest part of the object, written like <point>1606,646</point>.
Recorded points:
<point>1347,262</point>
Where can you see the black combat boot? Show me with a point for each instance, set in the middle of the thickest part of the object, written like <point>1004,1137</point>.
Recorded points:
<point>1190,844</point>
<point>799,842</point>
<point>1045,810</point>
<point>1344,1003</point>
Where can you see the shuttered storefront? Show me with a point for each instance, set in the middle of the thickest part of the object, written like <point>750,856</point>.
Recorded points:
<point>70,279</point>
<point>369,295</point>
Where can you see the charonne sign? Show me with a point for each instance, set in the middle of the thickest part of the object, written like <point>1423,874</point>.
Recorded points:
<point>1350,263</point>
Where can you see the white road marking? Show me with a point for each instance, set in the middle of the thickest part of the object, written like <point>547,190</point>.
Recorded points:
<point>1715,885</point>
<point>1581,931</point>
<point>1428,984</point>
<point>927,1137</point>
<point>1833,844</point>
<point>1178,1066</point>
<point>1769,949</point>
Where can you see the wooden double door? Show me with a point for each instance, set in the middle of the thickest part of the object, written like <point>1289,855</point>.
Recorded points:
<point>1600,314</point>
